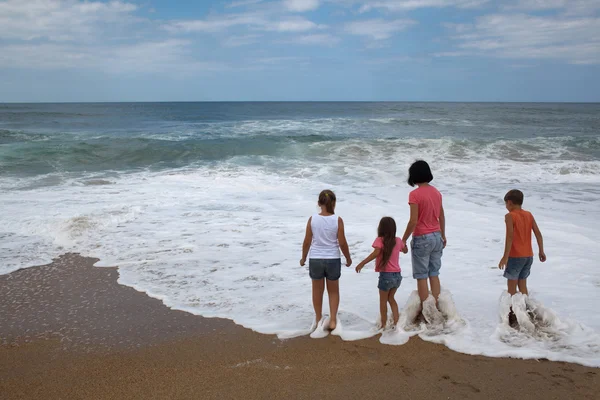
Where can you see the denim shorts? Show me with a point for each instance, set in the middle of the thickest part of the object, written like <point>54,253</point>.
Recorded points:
<point>330,268</point>
<point>389,281</point>
<point>426,255</point>
<point>518,268</point>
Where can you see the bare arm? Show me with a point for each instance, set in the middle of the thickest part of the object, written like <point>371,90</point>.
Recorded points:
<point>540,241</point>
<point>307,242</point>
<point>343,242</point>
<point>367,260</point>
<point>442,220</point>
<point>509,239</point>
<point>412,222</point>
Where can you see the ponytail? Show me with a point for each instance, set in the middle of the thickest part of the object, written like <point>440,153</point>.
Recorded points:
<point>327,199</point>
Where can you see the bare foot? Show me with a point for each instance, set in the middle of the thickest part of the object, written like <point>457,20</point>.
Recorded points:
<point>332,325</point>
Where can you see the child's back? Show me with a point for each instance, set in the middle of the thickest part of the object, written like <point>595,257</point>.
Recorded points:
<point>522,227</point>
<point>325,243</point>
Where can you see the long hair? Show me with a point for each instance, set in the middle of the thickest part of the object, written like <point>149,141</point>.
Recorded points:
<point>327,199</point>
<point>387,231</point>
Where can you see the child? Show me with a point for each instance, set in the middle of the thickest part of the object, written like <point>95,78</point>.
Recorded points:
<point>518,253</point>
<point>427,224</point>
<point>324,238</point>
<point>387,252</point>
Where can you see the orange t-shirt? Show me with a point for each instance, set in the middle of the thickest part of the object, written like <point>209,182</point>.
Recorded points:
<point>522,226</point>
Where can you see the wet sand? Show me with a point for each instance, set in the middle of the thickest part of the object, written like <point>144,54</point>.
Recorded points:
<point>69,331</point>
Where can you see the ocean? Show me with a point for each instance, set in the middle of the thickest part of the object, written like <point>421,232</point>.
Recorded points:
<point>203,205</point>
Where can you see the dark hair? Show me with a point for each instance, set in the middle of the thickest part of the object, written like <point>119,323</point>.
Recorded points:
<point>327,199</point>
<point>419,172</point>
<point>387,231</point>
<point>515,196</point>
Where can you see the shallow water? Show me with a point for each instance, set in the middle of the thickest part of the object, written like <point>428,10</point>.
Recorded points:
<point>204,206</point>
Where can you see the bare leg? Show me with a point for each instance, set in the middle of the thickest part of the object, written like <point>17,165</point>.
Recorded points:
<point>383,300</point>
<point>436,288</point>
<point>523,286</point>
<point>333,292</point>
<point>394,305</point>
<point>423,289</point>
<point>318,286</point>
<point>512,287</point>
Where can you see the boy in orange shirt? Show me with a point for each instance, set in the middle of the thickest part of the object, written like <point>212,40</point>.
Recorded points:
<point>518,253</point>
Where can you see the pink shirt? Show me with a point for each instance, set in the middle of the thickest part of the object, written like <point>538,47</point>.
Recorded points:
<point>429,200</point>
<point>393,264</point>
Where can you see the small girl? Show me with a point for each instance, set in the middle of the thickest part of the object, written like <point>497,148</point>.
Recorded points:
<point>427,225</point>
<point>324,238</point>
<point>387,252</point>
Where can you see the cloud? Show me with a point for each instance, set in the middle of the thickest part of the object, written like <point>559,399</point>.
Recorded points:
<point>243,3</point>
<point>241,40</point>
<point>291,25</point>
<point>378,29</point>
<point>407,5</point>
<point>257,21</point>
<point>568,6</point>
<point>93,35</point>
<point>217,24</point>
<point>521,36</point>
<point>301,5</point>
<point>150,56</point>
<point>324,39</point>
<point>59,20</point>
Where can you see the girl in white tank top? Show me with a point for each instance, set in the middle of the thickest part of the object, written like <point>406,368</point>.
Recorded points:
<point>324,238</point>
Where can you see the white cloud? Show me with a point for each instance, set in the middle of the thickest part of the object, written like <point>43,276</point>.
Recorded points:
<point>568,6</point>
<point>301,5</point>
<point>151,56</point>
<point>291,25</point>
<point>243,3</point>
<point>257,21</point>
<point>241,40</point>
<point>522,36</point>
<point>324,39</point>
<point>406,5</point>
<point>59,20</point>
<point>217,24</point>
<point>378,29</point>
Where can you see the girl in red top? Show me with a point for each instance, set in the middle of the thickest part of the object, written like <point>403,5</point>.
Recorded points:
<point>427,224</point>
<point>387,249</point>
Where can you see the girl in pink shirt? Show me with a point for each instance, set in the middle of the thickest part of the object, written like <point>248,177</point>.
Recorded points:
<point>427,224</point>
<point>387,249</point>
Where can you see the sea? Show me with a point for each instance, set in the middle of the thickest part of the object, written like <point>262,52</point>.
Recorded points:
<point>204,206</point>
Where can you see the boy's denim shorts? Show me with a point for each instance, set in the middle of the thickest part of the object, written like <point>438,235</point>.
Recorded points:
<point>330,268</point>
<point>518,268</point>
<point>389,281</point>
<point>426,255</point>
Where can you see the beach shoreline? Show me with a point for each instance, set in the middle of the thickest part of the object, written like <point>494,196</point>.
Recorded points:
<point>69,330</point>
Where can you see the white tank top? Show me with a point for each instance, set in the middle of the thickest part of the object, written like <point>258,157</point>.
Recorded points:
<point>324,237</point>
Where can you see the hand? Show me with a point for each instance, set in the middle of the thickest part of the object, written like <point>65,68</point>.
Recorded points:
<point>405,249</point>
<point>444,241</point>
<point>542,256</point>
<point>302,262</point>
<point>503,262</point>
<point>359,267</point>
<point>348,262</point>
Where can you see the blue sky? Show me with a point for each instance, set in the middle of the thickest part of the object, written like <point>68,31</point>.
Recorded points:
<point>407,50</point>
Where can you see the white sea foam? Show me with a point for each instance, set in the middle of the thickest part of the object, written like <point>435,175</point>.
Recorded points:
<point>224,240</point>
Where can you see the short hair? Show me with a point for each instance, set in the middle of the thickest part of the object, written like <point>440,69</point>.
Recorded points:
<point>419,172</point>
<point>515,196</point>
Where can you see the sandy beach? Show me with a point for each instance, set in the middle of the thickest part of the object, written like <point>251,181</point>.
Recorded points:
<point>70,331</point>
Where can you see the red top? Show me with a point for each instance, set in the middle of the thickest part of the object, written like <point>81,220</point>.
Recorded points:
<point>393,264</point>
<point>429,200</point>
<point>522,227</point>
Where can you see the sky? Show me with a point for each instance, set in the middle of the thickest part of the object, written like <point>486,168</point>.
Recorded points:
<point>299,50</point>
